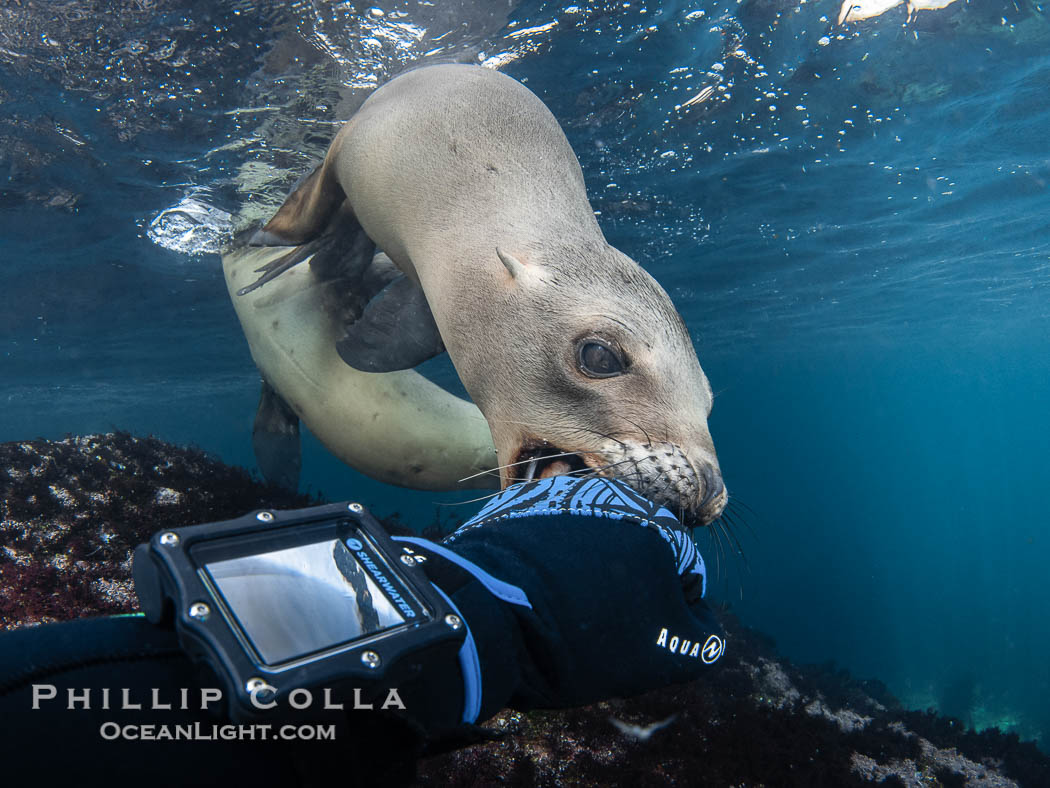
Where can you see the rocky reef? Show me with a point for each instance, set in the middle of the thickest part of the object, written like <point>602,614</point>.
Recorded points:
<point>72,511</point>
<point>760,721</point>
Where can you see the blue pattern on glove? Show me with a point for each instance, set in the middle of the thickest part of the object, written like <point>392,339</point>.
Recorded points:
<point>593,497</point>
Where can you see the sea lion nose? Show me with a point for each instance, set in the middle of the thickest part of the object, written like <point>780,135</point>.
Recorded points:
<point>713,486</point>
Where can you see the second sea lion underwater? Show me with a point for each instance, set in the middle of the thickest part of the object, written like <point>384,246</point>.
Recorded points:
<point>490,250</point>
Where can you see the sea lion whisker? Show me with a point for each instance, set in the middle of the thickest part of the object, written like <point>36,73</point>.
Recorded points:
<point>648,438</point>
<point>716,539</point>
<point>723,543</point>
<point>471,500</point>
<point>725,533</point>
<point>737,502</point>
<point>665,427</point>
<point>602,434</point>
<point>737,544</point>
<point>499,468</point>
<point>728,524</point>
<point>723,571</point>
<point>588,471</point>
<point>488,472</point>
<point>741,558</point>
<point>567,428</point>
<point>747,569</point>
<point>739,517</point>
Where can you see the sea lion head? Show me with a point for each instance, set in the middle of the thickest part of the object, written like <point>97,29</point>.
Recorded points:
<point>585,366</point>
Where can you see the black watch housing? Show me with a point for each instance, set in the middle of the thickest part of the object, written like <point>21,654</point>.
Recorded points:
<point>285,607</point>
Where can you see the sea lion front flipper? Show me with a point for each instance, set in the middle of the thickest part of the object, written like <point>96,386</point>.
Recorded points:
<point>378,275</point>
<point>396,331</point>
<point>275,439</point>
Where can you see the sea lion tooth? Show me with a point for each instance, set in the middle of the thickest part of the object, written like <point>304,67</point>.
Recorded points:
<point>530,469</point>
<point>555,468</point>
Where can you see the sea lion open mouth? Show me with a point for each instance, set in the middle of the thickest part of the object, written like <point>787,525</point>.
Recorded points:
<point>692,488</point>
<point>538,459</point>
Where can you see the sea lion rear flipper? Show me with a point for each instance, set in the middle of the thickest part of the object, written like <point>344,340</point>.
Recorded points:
<point>275,268</point>
<point>396,331</point>
<point>343,250</point>
<point>308,209</point>
<point>275,439</point>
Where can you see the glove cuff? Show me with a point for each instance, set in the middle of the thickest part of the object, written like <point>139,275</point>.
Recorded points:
<point>490,658</point>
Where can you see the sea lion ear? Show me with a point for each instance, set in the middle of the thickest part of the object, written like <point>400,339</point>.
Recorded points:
<point>513,264</point>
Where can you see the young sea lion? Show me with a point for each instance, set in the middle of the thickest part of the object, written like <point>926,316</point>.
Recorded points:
<point>574,354</point>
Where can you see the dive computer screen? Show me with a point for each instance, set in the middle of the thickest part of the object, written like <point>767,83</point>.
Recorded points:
<point>298,601</point>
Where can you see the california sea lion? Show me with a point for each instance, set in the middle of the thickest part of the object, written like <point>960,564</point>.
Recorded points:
<point>574,354</point>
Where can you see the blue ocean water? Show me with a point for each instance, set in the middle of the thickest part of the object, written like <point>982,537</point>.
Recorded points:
<point>852,220</point>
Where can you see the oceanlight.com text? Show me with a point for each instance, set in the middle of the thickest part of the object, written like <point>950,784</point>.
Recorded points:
<point>209,732</point>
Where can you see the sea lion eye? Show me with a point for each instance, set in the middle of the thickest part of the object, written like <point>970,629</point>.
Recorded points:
<point>598,360</point>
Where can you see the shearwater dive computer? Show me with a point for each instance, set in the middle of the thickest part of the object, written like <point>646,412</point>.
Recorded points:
<point>304,599</point>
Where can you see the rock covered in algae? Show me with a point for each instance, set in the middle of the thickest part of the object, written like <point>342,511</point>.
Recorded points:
<point>72,512</point>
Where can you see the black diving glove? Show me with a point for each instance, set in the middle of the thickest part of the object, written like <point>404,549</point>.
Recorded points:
<point>573,591</point>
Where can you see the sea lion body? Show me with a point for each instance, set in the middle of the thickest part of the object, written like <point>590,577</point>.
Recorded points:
<point>465,179</point>
<point>396,427</point>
